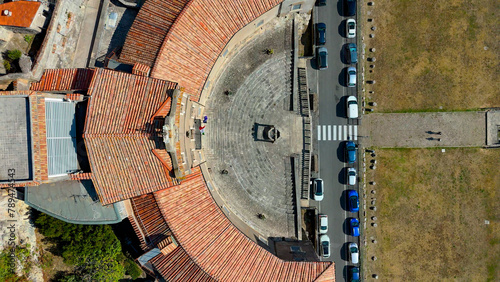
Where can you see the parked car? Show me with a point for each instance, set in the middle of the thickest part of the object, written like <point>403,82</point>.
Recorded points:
<point>350,7</point>
<point>325,245</point>
<point>350,27</point>
<point>354,253</point>
<point>352,107</point>
<point>351,176</point>
<point>352,201</point>
<point>322,57</point>
<point>354,227</point>
<point>351,77</point>
<point>351,152</point>
<point>351,53</point>
<point>321,28</point>
<point>323,223</point>
<point>321,3</point>
<point>353,274</point>
<point>318,189</point>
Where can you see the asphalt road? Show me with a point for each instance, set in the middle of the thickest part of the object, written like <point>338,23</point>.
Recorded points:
<point>331,130</point>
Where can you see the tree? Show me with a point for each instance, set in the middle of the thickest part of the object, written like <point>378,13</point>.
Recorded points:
<point>94,250</point>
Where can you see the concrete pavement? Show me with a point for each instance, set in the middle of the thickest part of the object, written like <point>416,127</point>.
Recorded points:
<point>87,34</point>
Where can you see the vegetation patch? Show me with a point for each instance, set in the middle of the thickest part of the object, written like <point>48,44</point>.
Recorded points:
<point>94,251</point>
<point>433,55</point>
<point>437,215</point>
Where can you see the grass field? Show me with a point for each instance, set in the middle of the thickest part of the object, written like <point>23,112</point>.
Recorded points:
<point>433,55</point>
<point>431,212</point>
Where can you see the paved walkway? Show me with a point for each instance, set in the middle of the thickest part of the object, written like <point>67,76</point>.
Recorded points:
<point>259,173</point>
<point>412,130</point>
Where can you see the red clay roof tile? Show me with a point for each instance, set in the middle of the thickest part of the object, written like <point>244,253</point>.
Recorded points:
<point>120,138</point>
<point>64,80</point>
<point>150,220</point>
<point>23,13</point>
<point>218,247</point>
<point>178,266</point>
<point>199,35</point>
<point>149,29</point>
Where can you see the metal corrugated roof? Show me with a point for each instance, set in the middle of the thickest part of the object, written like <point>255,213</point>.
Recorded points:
<point>61,137</point>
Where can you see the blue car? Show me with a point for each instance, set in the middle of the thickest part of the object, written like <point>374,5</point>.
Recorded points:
<point>350,8</point>
<point>351,152</point>
<point>352,201</point>
<point>321,28</point>
<point>354,227</point>
<point>351,53</point>
<point>354,274</point>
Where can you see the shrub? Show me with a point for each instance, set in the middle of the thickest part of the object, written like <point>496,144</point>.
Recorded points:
<point>28,38</point>
<point>6,65</point>
<point>14,54</point>
<point>131,268</point>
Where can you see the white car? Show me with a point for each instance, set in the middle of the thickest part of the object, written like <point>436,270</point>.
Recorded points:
<point>323,223</point>
<point>354,253</point>
<point>352,107</point>
<point>325,245</point>
<point>350,27</point>
<point>318,189</point>
<point>351,176</point>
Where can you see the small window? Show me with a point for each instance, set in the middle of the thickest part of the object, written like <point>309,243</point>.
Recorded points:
<point>296,7</point>
<point>296,249</point>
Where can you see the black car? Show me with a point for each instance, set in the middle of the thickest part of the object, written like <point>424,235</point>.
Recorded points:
<point>321,28</point>
<point>351,53</point>
<point>321,3</point>
<point>350,7</point>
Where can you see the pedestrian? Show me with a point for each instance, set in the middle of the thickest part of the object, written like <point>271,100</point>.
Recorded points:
<point>438,133</point>
<point>439,139</point>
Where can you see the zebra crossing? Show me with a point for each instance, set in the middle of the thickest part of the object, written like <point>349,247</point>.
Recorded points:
<point>337,132</point>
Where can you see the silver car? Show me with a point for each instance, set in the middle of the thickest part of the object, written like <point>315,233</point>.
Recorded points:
<point>322,58</point>
<point>351,77</point>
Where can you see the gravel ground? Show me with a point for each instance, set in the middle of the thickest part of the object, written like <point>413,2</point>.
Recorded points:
<point>24,232</point>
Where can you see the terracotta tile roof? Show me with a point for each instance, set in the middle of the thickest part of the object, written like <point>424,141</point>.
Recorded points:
<point>138,232</point>
<point>199,35</point>
<point>163,110</point>
<point>149,29</point>
<point>150,220</point>
<point>120,138</point>
<point>81,176</point>
<point>39,134</point>
<point>141,69</point>
<point>23,13</point>
<point>178,266</point>
<point>218,247</point>
<point>64,80</point>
